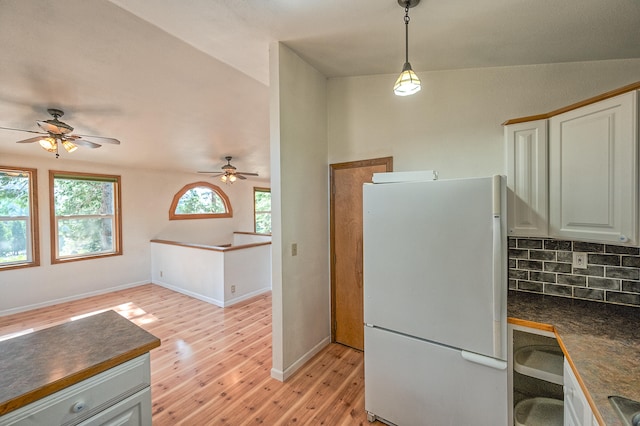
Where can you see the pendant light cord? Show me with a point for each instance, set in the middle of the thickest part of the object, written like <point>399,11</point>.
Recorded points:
<point>406,31</point>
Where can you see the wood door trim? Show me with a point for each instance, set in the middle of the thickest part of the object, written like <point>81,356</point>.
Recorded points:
<point>386,161</point>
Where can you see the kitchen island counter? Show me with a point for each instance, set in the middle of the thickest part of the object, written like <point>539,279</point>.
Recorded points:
<point>601,342</point>
<point>41,363</point>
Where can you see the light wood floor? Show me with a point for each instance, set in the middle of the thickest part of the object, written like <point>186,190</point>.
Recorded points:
<point>213,366</point>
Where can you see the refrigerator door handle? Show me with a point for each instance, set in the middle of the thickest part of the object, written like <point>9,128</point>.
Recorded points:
<point>497,273</point>
<point>497,270</point>
<point>484,360</point>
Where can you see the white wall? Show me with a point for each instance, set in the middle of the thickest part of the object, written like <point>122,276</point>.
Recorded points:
<point>146,197</point>
<point>222,277</point>
<point>454,124</point>
<point>299,168</point>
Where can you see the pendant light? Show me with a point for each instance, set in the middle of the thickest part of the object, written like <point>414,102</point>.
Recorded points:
<point>408,82</point>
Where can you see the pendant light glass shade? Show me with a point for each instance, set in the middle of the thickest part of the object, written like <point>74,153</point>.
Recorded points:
<point>407,83</point>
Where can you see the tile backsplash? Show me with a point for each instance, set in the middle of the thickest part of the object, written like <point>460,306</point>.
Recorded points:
<point>540,265</point>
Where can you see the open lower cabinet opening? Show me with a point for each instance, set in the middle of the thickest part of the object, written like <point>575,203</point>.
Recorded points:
<point>537,379</point>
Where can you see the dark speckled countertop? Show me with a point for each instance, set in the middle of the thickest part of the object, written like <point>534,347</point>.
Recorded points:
<point>43,362</point>
<point>601,340</point>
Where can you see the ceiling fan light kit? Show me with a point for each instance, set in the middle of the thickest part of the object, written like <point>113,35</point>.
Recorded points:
<point>57,133</point>
<point>408,82</point>
<point>48,144</point>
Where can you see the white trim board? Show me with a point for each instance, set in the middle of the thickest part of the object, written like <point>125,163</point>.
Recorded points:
<point>284,375</point>
<point>70,298</point>
<point>219,303</point>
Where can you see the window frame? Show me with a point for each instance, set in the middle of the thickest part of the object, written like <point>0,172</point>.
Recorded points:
<point>255,222</point>
<point>33,223</point>
<point>216,189</point>
<point>117,214</point>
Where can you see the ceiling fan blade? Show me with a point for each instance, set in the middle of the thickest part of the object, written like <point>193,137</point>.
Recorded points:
<point>239,176</point>
<point>246,173</point>
<point>82,142</point>
<point>30,140</point>
<point>22,130</point>
<point>103,139</point>
<point>213,174</point>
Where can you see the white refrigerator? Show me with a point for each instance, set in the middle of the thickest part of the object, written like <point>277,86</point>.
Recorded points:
<point>435,291</point>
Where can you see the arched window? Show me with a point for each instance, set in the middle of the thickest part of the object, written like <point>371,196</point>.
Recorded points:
<point>200,200</point>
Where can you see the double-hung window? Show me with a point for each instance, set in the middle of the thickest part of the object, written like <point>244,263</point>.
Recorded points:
<point>85,216</point>
<point>18,218</point>
<point>262,210</point>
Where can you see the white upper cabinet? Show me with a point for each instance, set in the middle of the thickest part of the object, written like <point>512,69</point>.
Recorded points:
<point>593,176</point>
<point>527,178</point>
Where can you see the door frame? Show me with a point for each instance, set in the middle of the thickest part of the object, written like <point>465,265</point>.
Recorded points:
<point>386,161</point>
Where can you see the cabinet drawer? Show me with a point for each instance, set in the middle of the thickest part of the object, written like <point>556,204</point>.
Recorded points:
<point>133,411</point>
<point>78,402</point>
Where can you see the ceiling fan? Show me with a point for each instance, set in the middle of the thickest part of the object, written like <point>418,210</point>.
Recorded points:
<point>229,174</point>
<point>58,133</point>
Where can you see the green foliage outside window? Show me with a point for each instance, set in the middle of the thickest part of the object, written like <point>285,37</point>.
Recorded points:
<point>14,217</point>
<point>84,215</point>
<point>262,208</point>
<point>200,200</point>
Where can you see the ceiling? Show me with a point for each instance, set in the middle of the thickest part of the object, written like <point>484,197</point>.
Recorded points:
<point>184,84</point>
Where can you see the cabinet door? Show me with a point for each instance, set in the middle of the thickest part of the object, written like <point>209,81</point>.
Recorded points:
<point>576,408</point>
<point>527,178</point>
<point>593,172</point>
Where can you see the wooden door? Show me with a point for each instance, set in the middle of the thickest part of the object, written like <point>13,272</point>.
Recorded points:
<point>346,247</point>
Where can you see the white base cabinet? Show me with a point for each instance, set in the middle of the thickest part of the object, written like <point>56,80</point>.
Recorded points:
<point>577,411</point>
<point>120,396</point>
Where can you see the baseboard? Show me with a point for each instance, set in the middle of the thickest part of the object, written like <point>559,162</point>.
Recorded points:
<point>246,296</point>
<point>219,303</point>
<point>198,296</point>
<point>70,298</point>
<point>288,372</point>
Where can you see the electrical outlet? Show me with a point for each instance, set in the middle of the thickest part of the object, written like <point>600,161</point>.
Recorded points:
<point>294,249</point>
<point>579,260</point>
<point>233,289</point>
